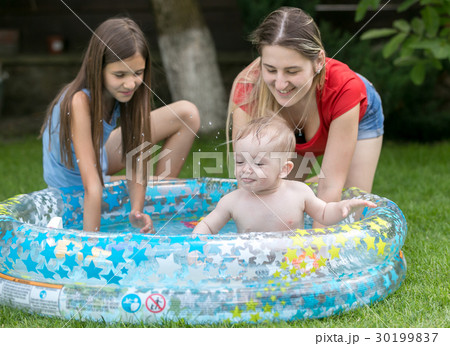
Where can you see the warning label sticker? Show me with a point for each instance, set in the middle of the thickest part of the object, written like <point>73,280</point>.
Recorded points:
<point>155,303</point>
<point>29,294</point>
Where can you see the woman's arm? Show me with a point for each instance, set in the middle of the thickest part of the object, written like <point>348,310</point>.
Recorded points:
<point>338,156</point>
<point>84,152</point>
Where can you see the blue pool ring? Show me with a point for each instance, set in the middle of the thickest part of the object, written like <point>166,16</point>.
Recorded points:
<point>131,277</point>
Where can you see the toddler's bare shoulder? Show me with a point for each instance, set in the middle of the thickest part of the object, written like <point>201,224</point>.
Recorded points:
<point>298,186</point>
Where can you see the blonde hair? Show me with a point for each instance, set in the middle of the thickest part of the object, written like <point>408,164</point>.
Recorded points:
<point>275,128</point>
<point>287,27</point>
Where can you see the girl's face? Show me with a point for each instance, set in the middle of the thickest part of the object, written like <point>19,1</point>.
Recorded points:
<point>122,78</point>
<point>287,74</point>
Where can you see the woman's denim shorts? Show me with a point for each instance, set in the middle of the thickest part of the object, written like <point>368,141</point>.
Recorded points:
<point>371,124</point>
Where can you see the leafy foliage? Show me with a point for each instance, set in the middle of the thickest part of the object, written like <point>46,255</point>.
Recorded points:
<point>421,42</point>
<point>254,11</point>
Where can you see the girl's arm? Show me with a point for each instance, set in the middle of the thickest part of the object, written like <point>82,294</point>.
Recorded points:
<point>137,217</point>
<point>338,156</point>
<point>215,220</point>
<point>84,152</point>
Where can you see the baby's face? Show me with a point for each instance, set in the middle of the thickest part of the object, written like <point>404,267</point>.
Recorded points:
<point>258,166</point>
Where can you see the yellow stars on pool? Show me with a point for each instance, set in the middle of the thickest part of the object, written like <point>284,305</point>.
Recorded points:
<point>255,317</point>
<point>380,246</point>
<point>378,224</point>
<point>309,252</point>
<point>356,226</point>
<point>267,308</point>
<point>298,241</point>
<point>381,222</point>
<point>318,241</point>
<point>236,312</point>
<point>302,232</point>
<point>370,242</point>
<point>322,262</point>
<point>302,265</point>
<point>256,313</point>
<point>341,239</point>
<point>319,230</point>
<point>9,202</point>
<point>291,254</point>
<point>334,252</point>
<point>251,305</point>
<point>375,226</point>
<point>346,227</point>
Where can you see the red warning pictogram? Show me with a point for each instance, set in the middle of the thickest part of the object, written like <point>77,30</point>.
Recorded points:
<point>155,303</point>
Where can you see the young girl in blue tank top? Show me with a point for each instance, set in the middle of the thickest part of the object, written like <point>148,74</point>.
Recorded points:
<point>105,113</point>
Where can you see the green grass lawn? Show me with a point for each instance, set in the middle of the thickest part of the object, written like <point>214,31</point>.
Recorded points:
<point>415,176</point>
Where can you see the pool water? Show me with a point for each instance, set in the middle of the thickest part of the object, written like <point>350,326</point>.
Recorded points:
<point>176,227</point>
<point>165,227</point>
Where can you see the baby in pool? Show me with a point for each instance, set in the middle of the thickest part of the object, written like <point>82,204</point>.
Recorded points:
<point>264,201</point>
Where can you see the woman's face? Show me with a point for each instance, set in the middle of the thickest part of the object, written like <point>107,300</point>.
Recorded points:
<point>122,78</point>
<point>287,74</point>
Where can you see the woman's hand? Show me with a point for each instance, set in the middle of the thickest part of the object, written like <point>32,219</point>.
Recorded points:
<point>141,220</point>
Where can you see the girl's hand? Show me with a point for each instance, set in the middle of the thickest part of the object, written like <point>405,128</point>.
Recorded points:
<point>141,220</point>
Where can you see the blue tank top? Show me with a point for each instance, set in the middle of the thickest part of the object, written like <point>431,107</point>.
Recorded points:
<point>55,173</point>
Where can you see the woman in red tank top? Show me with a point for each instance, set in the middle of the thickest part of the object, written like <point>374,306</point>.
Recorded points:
<point>333,111</point>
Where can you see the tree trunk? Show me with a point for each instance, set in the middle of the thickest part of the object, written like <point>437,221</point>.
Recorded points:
<point>189,59</point>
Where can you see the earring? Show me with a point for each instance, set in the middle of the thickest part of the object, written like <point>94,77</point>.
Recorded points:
<point>318,71</point>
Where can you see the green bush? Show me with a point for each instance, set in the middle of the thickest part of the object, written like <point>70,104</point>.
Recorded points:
<point>421,43</point>
<point>412,112</point>
<point>254,11</point>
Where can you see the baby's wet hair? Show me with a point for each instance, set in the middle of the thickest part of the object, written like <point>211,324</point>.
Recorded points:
<point>273,126</point>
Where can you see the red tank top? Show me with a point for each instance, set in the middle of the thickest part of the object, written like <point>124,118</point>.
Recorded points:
<point>342,90</point>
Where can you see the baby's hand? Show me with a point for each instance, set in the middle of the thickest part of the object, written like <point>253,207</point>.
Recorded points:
<point>351,204</point>
<point>141,220</point>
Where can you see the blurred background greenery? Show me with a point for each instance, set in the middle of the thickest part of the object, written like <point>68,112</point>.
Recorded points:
<point>30,76</point>
<point>413,168</point>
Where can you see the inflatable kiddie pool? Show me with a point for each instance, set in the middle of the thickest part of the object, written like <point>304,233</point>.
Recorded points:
<point>119,274</point>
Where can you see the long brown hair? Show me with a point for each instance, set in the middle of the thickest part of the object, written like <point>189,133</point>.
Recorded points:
<point>288,27</point>
<point>114,40</point>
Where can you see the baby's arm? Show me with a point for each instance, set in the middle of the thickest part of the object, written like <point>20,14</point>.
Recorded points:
<point>332,212</point>
<point>215,220</point>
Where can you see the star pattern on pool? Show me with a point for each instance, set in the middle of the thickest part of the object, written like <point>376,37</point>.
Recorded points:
<point>305,255</point>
